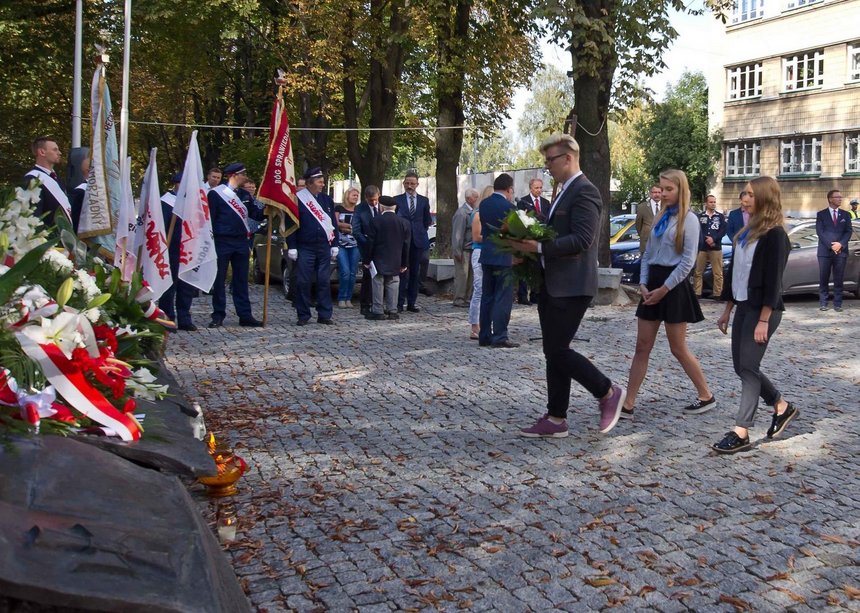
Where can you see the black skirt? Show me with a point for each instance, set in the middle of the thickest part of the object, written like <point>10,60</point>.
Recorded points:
<point>678,306</point>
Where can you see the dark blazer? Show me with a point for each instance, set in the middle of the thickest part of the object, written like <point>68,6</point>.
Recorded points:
<point>527,203</point>
<point>225,222</point>
<point>768,264</point>
<point>389,240</point>
<point>419,222</point>
<point>828,232</point>
<point>47,205</point>
<point>310,232</point>
<point>361,226</point>
<point>492,212</point>
<point>76,199</point>
<point>735,223</point>
<point>570,259</point>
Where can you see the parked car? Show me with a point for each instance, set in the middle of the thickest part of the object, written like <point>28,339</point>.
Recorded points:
<point>280,266</point>
<point>801,271</point>
<point>622,228</point>
<point>625,255</point>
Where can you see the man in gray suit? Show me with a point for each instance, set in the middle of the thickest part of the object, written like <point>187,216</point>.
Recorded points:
<point>570,282</point>
<point>645,214</point>
<point>461,249</point>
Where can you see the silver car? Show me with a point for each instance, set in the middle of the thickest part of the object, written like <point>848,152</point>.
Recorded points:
<point>801,271</point>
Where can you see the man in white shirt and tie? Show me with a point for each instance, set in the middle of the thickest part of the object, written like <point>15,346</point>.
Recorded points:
<point>646,212</point>
<point>362,220</point>
<point>53,195</point>
<point>415,209</point>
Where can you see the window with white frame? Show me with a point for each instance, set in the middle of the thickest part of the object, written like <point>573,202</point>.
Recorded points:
<point>804,70</point>
<point>744,10</point>
<point>854,62</point>
<point>742,158</point>
<point>852,152</point>
<point>793,4</point>
<point>801,155</point>
<point>744,81</point>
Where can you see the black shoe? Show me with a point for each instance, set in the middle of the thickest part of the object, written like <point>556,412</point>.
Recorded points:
<point>780,422</point>
<point>700,406</point>
<point>392,315</point>
<point>823,307</point>
<point>400,309</point>
<point>187,327</point>
<point>302,322</point>
<point>326,322</point>
<point>732,443</point>
<point>375,316</point>
<point>364,310</point>
<point>250,323</point>
<point>216,323</point>
<point>413,309</point>
<point>626,413</point>
<point>838,309</point>
<point>483,344</point>
<point>505,345</point>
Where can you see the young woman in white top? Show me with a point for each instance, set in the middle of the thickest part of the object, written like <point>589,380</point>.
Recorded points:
<point>667,296</point>
<point>754,285</point>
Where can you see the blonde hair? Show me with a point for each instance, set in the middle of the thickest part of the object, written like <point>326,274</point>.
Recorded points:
<point>768,209</point>
<point>348,191</point>
<point>678,177</point>
<point>488,191</point>
<point>565,141</point>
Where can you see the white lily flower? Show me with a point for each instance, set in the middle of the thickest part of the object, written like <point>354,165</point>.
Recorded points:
<point>28,196</point>
<point>61,330</point>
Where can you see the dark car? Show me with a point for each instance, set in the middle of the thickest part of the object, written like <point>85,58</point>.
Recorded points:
<point>280,266</point>
<point>625,255</point>
<point>801,271</point>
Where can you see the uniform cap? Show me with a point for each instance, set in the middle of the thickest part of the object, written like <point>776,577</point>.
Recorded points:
<point>235,169</point>
<point>312,173</point>
<point>854,202</point>
<point>177,178</point>
<point>387,201</point>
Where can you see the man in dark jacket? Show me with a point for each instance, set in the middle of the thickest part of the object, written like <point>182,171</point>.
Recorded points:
<point>364,214</point>
<point>176,300</point>
<point>712,231</point>
<point>388,257</point>
<point>833,226</point>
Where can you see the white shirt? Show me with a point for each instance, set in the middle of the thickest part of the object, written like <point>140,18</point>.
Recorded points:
<point>743,258</point>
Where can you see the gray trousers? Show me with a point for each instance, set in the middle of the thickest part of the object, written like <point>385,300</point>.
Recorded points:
<point>387,286</point>
<point>747,356</point>
<point>463,279</point>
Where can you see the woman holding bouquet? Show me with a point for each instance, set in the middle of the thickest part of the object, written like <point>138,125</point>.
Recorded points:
<point>667,296</point>
<point>754,284</point>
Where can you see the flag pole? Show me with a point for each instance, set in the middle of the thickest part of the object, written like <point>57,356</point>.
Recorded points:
<point>76,87</point>
<point>126,63</point>
<point>268,264</point>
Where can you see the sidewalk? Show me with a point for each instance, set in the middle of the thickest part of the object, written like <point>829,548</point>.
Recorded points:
<point>386,473</point>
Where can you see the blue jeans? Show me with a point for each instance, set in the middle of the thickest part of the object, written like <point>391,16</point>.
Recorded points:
<point>497,297</point>
<point>347,265</point>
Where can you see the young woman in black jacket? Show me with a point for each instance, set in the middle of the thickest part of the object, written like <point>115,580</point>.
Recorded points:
<point>754,285</point>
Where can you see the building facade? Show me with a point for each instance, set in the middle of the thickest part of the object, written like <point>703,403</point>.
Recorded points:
<point>786,97</point>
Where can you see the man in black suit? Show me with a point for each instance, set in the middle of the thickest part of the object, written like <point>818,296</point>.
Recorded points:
<point>361,220</point>
<point>76,198</point>
<point>570,282</point>
<point>415,209</point>
<point>53,196</point>
<point>833,226</point>
<point>532,202</point>
<point>388,253</point>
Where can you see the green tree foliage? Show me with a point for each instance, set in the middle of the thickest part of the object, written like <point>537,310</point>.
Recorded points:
<point>545,112</point>
<point>628,158</point>
<point>674,134</point>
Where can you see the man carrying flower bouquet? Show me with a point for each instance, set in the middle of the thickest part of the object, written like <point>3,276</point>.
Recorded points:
<point>496,292</point>
<point>569,263</point>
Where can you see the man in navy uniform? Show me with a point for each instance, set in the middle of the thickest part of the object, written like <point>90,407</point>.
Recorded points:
<point>416,210</point>
<point>233,213</point>
<point>312,246</point>
<point>53,197</point>
<point>176,300</point>
<point>833,226</point>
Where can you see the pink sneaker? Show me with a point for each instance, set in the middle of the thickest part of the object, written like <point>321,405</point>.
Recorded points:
<point>544,428</point>
<point>610,408</point>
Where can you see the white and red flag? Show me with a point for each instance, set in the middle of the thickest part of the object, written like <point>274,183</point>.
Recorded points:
<point>278,187</point>
<point>198,262</point>
<point>125,254</point>
<point>152,236</point>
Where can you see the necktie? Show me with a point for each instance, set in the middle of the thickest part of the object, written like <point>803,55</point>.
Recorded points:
<point>654,208</point>
<point>411,205</point>
<point>53,175</point>
<point>537,205</point>
<point>834,217</point>
<point>373,211</point>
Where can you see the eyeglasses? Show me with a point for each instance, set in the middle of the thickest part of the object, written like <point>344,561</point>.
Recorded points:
<point>552,158</point>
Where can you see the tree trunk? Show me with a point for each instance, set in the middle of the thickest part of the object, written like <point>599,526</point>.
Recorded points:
<point>449,120</point>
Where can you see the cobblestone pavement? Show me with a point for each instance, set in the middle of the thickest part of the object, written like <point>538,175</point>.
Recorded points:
<point>386,474</point>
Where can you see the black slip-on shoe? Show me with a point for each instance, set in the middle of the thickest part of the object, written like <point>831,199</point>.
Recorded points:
<point>732,443</point>
<point>216,323</point>
<point>326,322</point>
<point>250,323</point>
<point>187,327</point>
<point>780,422</point>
